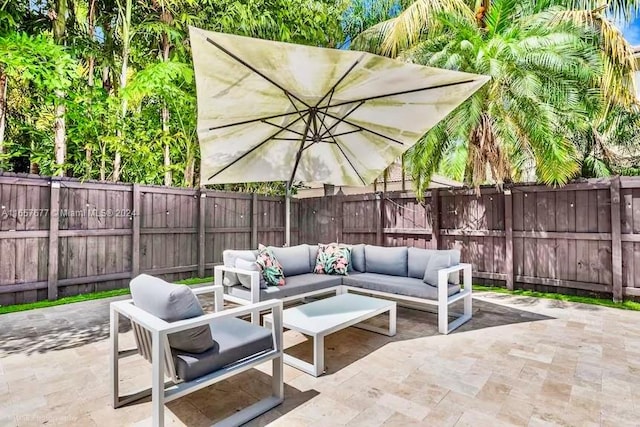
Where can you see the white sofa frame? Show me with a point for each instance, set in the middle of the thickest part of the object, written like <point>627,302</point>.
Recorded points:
<point>151,334</point>
<point>443,302</point>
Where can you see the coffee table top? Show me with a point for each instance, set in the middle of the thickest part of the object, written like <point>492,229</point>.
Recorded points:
<point>332,314</point>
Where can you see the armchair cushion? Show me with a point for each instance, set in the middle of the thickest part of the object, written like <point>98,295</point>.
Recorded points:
<point>234,340</point>
<point>418,259</point>
<point>171,302</point>
<point>294,259</point>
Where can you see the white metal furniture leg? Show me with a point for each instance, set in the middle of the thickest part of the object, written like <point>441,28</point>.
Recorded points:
<point>318,355</point>
<point>392,320</point>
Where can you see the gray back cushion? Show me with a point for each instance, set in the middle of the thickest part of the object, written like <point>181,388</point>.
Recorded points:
<point>313,255</point>
<point>455,260</point>
<point>437,261</point>
<point>383,260</point>
<point>357,258</point>
<point>170,303</point>
<point>229,257</point>
<point>294,259</point>
<point>418,260</point>
<point>245,279</point>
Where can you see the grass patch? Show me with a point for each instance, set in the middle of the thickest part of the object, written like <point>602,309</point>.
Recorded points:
<point>625,305</point>
<point>87,297</point>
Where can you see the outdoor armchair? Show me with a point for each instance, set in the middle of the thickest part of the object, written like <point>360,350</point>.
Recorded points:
<point>238,346</point>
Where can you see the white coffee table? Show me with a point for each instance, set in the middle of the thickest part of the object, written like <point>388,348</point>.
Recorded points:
<point>323,317</point>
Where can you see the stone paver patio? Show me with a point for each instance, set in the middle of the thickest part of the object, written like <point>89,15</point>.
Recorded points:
<point>520,361</point>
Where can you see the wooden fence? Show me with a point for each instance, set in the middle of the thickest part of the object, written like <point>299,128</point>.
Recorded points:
<point>581,237</point>
<point>64,237</point>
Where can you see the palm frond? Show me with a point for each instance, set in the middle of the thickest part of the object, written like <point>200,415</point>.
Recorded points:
<point>394,35</point>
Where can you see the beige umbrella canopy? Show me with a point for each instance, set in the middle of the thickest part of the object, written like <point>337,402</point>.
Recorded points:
<point>272,111</point>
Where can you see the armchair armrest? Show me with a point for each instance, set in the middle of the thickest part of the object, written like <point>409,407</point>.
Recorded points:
<point>155,324</point>
<point>255,279</point>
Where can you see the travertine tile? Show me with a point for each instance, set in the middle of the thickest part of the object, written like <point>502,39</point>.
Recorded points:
<point>520,361</point>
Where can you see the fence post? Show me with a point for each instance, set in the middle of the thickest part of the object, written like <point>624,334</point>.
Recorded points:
<point>435,218</point>
<point>202,204</point>
<point>508,235</point>
<point>54,210</point>
<point>380,217</point>
<point>254,221</point>
<point>616,242</point>
<point>337,214</point>
<point>135,230</point>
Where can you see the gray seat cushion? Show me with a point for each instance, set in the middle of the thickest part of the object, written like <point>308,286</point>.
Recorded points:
<point>234,340</point>
<point>294,285</point>
<point>229,257</point>
<point>383,260</point>
<point>171,302</point>
<point>407,286</point>
<point>294,259</point>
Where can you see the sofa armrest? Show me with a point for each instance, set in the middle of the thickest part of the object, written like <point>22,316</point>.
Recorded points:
<point>443,282</point>
<point>255,279</point>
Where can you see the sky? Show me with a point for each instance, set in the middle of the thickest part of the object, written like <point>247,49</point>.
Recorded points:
<point>632,32</point>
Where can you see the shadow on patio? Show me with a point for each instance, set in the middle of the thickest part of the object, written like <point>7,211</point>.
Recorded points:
<point>74,325</point>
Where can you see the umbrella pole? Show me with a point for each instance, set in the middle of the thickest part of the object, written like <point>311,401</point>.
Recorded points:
<point>287,217</point>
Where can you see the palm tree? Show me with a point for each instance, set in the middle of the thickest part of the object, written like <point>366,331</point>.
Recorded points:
<point>553,69</point>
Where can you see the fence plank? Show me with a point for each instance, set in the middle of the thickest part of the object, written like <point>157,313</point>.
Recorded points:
<point>435,219</point>
<point>508,249</point>
<point>616,244</point>
<point>135,230</point>
<point>54,207</point>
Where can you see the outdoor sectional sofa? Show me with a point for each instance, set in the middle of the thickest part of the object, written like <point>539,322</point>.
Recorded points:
<point>391,272</point>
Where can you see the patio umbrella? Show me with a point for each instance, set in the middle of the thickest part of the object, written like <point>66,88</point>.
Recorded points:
<point>273,111</point>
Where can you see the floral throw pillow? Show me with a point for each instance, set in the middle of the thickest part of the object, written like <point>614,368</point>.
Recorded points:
<point>270,267</point>
<point>332,259</point>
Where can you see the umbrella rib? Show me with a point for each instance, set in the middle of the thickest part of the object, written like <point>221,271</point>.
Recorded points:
<point>349,160</point>
<point>255,70</point>
<point>267,139</point>
<point>283,128</point>
<point>403,92</point>
<point>366,129</point>
<point>301,147</point>
<point>326,113</point>
<point>259,119</point>
<point>334,87</point>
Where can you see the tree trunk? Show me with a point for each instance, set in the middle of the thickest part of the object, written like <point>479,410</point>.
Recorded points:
<point>188,173</point>
<point>168,178</point>
<point>60,134</point>
<point>60,126</point>
<point>3,108</point>
<point>126,40</point>
<point>117,160</point>
<point>91,61</point>
<point>103,162</point>
<point>88,152</point>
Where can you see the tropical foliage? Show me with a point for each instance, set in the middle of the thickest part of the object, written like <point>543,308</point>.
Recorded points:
<point>561,101</point>
<point>105,89</point>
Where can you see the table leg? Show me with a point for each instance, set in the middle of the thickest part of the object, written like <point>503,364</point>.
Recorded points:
<point>318,355</point>
<point>392,320</point>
